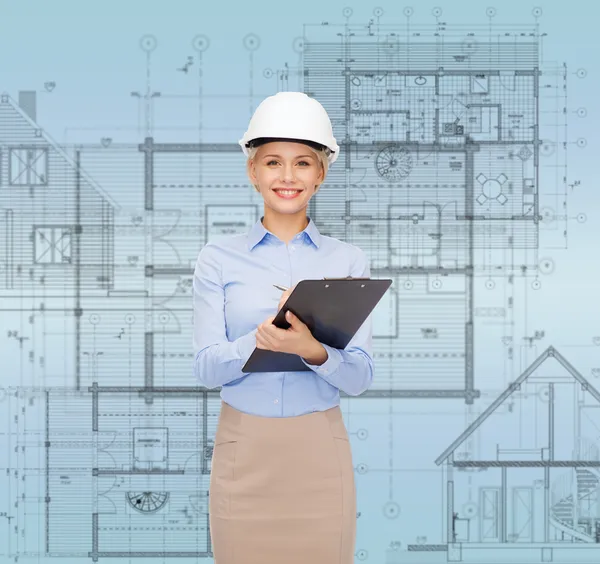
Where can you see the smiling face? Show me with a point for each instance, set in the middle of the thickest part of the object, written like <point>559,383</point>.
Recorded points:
<point>287,175</point>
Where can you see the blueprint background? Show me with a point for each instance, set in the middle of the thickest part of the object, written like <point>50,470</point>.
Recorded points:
<point>91,52</point>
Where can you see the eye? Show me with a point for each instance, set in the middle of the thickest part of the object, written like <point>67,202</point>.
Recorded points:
<point>299,162</point>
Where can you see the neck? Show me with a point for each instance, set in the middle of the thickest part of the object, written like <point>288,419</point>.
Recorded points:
<point>285,227</point>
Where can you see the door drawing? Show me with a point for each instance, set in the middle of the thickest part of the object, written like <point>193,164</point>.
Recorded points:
<point>522,515</point>
<point>489,520</point>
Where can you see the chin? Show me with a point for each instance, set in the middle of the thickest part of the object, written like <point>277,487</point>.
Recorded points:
<point>288,208</point>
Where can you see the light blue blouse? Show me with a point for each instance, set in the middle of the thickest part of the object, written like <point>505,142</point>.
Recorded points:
<point>233,293</point>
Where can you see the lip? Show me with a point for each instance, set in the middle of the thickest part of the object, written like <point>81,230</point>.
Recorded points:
<point>287,197</point>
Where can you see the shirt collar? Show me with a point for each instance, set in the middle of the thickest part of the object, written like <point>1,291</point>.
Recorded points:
<point>259,231</point>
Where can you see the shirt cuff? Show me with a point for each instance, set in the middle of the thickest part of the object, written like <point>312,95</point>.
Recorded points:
<point>246,345</point>
<point>334,359</point>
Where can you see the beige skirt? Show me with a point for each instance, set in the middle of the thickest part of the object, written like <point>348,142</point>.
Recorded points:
<point>282,489</point>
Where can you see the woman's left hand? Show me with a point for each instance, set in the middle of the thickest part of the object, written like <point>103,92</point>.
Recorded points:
<point>297,339</point>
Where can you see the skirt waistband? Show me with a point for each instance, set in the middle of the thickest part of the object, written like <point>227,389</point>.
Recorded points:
<point>236,425</point>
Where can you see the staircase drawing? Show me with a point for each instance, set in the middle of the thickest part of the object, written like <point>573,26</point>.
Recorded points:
<point>579,520</point>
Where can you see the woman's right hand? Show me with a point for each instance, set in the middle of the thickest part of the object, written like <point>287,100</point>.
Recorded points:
<point>284,297</point>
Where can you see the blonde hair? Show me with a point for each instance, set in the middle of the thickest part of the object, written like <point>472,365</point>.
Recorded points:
<point>322,156</point>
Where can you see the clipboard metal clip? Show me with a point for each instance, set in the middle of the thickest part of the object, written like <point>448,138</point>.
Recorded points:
<point>347,278</point>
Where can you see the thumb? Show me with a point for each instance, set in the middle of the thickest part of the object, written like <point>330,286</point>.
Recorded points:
<point>292,319</point>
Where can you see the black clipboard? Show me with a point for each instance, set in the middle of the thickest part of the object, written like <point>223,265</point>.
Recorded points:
<point>332,308</point>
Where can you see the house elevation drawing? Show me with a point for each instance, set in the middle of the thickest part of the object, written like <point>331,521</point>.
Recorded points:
<point>537,493</point>
<point>453,168</point>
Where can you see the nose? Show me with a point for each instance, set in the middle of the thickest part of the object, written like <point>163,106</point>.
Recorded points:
<point>287,173</point>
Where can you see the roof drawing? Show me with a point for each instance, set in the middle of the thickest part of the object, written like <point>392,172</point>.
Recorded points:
<point>549,352</point>
<point>6,99</point>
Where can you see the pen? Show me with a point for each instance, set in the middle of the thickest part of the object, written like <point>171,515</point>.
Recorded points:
<point>282,288</point>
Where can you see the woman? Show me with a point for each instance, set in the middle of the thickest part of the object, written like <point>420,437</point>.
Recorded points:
<point>282,480</point>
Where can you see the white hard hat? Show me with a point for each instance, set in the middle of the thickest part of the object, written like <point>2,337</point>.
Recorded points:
<point>291,116</point>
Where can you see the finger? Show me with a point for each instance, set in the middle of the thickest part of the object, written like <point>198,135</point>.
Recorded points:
<point>267,333</point>
<point>268,343</point>
<point>261,343</point>
<point>283,299</point>
<point>296,323</point>
<point>273,333</point>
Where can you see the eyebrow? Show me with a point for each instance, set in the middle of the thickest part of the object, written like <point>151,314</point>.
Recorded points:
<point>298,157</point>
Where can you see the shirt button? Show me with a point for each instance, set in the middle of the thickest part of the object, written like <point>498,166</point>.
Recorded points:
<point>276,401</point>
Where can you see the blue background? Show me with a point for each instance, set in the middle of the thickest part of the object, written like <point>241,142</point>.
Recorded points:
<point>85,60</point>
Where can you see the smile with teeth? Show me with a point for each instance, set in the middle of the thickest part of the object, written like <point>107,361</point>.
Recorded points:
<point>289,193</point>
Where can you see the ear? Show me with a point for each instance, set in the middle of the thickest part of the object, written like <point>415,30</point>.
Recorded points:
<point>321,177</point>
<point>251,175</point>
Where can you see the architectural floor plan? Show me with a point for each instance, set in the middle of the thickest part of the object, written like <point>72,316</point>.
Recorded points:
<point>453,168</point>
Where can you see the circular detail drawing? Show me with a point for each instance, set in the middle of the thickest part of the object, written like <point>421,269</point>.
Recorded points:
<point>200,43</point>
<point>536,284</point>
<point>408,11</point>
<point>469,510</point>
<point>544,394</point>
<point>420,81</point>
<point>347,12</point>
<point>491,188</point>
<point>163,318</point>
<point>378,12</point>
<point>490,12</point>
<point>268,73</point>
<point>148,43</point>
<point>408,285</point>
<point>581,217</point>
<point>436,284</point>
<point>362,554</point>
<point>252,42</point>
<point>355,104</point>
<point>391,510</point>
<point>546,265</point>
<point>94,319</point>
<point>130,319</point>
<point>394,163</point>
<point>537,12</point>
<point>362,434</point>
<point>547,149</point>
<point>147,502</point>
<point>437,11</point>
<point>581,73</point>
<point>298,45</point>
<point>547,215</point>
<point>581,142</point>
<point>581,112</point>
<point>490,284</point>
<point>362,468</point>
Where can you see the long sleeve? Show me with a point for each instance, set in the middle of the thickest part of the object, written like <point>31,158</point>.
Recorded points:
<point>351,369</point>
<point>217,361</point>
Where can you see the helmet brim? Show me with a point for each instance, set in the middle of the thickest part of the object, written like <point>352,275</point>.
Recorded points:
<point>263,140</point>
